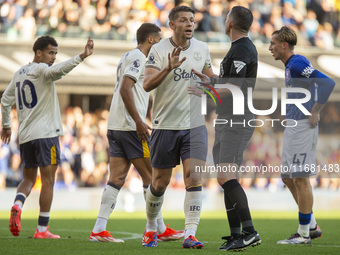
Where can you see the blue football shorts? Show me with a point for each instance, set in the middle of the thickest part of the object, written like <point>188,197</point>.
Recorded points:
<point>126,144</point>
<point>168,147</point>
<point>40,152</point>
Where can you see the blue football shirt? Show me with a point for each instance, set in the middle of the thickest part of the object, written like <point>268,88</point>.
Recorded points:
<point>298,74</point>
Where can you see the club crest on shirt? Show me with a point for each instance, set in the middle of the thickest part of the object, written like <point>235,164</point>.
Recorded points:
<point>197,55</point>
<point>151,59</point>
<point>22,71</point>
<point>136,63</point>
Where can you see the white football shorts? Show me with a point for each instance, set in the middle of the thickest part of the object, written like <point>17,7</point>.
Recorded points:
<point>298,153</point>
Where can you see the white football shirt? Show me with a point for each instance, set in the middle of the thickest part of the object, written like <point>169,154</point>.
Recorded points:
<point>33,91</point>
<point>173,107</point>
<point>132,65</point>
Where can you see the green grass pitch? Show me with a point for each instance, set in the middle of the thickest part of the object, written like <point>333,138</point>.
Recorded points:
<point>75,228</point>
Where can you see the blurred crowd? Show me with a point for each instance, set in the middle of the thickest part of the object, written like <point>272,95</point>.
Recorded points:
<point>84,154</point>
<point>315,21</point>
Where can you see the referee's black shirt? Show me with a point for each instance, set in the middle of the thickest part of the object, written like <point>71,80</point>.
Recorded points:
<point>239,67</point>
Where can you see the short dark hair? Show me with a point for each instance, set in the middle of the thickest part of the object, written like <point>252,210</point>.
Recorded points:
<point>173,15</point>
<point>42,42</point>
<point>286,34</point>
<point>145,30</point>
<point>242,17</point>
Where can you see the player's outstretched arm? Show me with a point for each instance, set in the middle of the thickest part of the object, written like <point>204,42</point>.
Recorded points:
<point>88,49</point>
<point>57,71</point>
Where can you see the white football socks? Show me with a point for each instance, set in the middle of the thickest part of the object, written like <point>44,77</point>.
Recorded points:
<point>153,208</point>
<point>109,199</point>
<point>192,211</point>
<point>303,230</point>
<point>312,222</point>
<point>160,222</point>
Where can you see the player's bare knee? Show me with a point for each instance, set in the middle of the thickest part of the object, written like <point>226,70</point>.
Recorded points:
<point>301,182</point>
<point>27,184</point>
<point>118,180</point>
<point>192,181</point>
<point>160,185</point>
<point>159,189</point>
<point>47,182</point>
<point>29,180</point>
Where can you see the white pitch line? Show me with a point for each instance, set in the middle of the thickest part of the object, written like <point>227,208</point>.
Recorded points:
<point>132,235</point>
<point>330,246</point>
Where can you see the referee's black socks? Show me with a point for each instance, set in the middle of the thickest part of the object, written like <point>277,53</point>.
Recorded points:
<point>235,197</point>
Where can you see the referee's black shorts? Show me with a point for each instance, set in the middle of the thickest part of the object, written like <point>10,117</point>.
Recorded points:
<point>231,141</point>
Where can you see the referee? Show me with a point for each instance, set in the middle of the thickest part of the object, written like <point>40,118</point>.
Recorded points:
<point>238,68</point>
